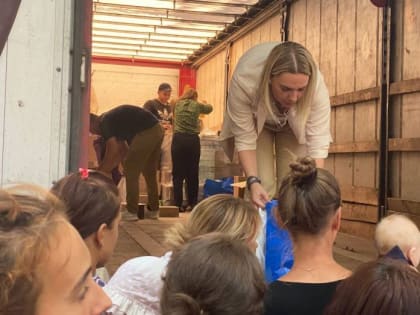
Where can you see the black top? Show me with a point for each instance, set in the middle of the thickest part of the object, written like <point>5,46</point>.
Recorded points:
<point>125,121</point>
<point>284,298</point>
<point>163,112</point>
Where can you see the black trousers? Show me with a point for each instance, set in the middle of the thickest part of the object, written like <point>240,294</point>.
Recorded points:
<point>185,161</point>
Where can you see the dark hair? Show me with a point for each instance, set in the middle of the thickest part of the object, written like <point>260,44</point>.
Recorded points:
<point>308,196</point>
<point>386,286</point>
<point>90,200</point>
<point>29,219</point>
<point>213,274</point>
<point>165,87</point>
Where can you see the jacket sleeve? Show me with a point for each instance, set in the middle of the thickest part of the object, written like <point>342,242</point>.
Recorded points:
<point>205,108</point>
<point>150,106</point>
<point>318,132</point>
<point>240,116</point>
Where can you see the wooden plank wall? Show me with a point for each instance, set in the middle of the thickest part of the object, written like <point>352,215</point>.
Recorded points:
<point>210,88</point>
<point>404,171</point>
<point>211,74</point>
<point>344,38</point>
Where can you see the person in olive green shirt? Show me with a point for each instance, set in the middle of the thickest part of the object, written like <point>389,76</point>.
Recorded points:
<point>186,147</point>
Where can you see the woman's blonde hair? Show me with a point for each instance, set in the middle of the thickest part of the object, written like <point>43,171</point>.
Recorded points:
<point>189,94</point>
<point>218,213</point>
<point>293,58</point>
<point>29,220</point>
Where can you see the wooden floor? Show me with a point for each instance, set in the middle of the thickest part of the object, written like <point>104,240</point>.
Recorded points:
<point>145,237</point>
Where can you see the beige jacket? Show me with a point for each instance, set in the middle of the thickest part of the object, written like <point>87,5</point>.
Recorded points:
<point>244,118</point>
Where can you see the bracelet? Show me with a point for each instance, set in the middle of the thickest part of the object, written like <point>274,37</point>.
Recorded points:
<point>251,180</point>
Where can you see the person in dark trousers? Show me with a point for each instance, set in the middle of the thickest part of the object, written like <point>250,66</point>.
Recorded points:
<point>186,147</point>
<point>133,136</point>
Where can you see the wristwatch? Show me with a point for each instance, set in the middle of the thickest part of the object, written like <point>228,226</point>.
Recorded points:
<point>251,180</point>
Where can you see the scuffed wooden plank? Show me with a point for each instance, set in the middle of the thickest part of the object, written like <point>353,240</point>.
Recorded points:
<point>364,195</point>
<point>402,205</point>
<point>358,229</point>
<point>359,212</point>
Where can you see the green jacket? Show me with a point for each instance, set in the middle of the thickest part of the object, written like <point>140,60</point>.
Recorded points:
<point>187,113</point>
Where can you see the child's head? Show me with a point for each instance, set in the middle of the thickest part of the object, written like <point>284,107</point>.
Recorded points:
<point>398,230</point>
<point>386,286</point>
<point>45,267</point>
<point>93,207</point>
<point>219,213</point>
<point>213,274</point>
<point>309,200</point>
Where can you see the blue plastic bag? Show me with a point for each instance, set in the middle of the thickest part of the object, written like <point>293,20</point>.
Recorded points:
<point>278,247</point>
<point>218,186</point>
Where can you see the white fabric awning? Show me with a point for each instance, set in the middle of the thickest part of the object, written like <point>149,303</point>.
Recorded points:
<point>162,29</point>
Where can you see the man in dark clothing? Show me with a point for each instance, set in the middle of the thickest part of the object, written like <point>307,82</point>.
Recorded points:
<point>160,106</point>
<point>164,112</point>
<point>133,136</point>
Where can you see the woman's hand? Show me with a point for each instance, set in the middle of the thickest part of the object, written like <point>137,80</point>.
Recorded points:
<point>259,196</point>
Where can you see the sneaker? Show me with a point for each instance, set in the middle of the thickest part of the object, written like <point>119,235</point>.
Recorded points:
<point>128,216</point>
<point>149,214</point>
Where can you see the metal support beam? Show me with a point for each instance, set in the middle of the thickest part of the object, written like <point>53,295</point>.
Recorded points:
<point>384,111</point>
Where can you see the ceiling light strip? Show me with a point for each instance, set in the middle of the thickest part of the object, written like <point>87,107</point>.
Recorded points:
<point>141,7</point>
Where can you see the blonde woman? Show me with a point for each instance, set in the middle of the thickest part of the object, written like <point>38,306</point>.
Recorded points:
<point>136,285</point>
<point>278,108</point>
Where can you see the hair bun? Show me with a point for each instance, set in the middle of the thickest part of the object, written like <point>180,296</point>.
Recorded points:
<point>9,210</point>
<point>303,171</point>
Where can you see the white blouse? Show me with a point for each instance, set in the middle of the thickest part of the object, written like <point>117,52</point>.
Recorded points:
<point>245,116</point>
<point>136,285</point>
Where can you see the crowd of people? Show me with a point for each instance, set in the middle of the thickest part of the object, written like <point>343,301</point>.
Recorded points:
<point>52,242</point>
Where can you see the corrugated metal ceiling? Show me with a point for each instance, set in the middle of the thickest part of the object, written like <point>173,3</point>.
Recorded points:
<point>166,29</point>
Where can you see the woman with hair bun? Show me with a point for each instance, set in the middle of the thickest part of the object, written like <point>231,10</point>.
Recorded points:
<point>213,274</point>
<point>310,209</point>
<point>45,267</point>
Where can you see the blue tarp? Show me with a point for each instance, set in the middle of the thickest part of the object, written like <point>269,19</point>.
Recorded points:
<point>278,247</point>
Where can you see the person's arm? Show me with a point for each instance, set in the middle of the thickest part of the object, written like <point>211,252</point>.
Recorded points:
<point>242,125</point>
<point>114,154</point>
<point>248,160</point>
<point>205,108</point>
<point>318,133</point>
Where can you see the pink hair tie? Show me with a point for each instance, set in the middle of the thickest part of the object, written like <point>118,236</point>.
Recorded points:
<point>84,173</point>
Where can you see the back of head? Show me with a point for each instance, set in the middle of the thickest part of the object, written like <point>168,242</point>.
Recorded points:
<point>219,213</point>
<point>386,286</point>
<point>29,219</point>
<point>213,274</point>
<point>91,199</point>
<point>189,94</point>
<point>396,230</point>
<point>308,198</point>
